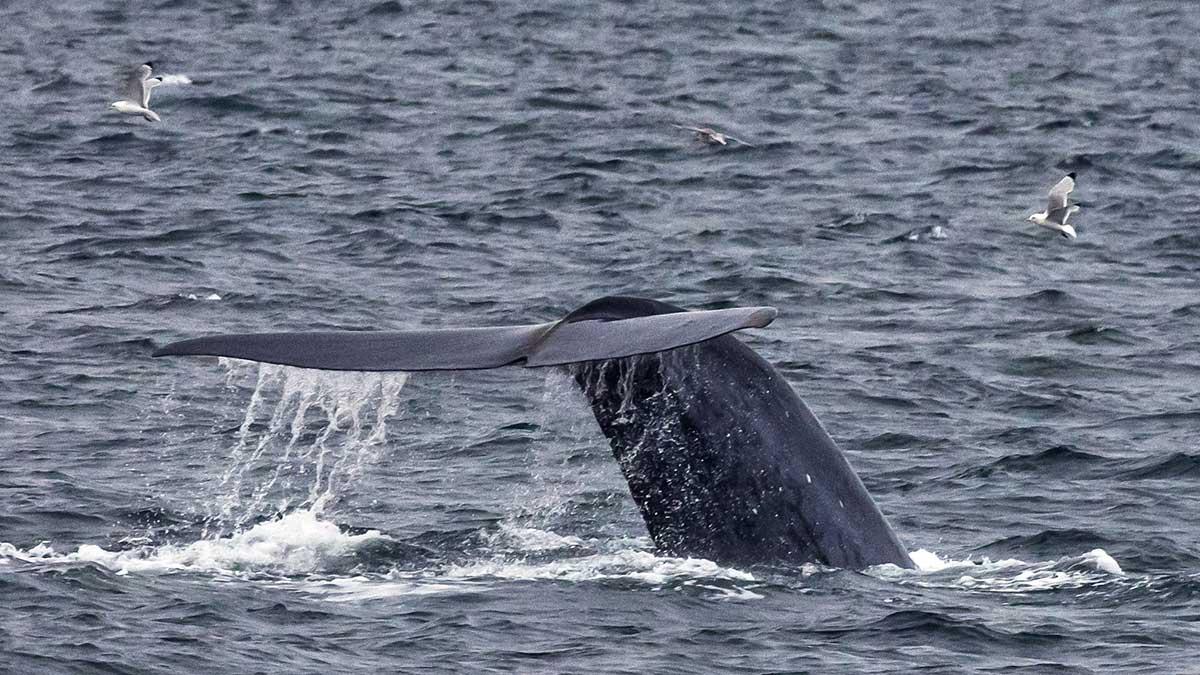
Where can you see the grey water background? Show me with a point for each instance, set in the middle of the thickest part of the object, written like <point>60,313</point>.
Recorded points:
<point>1014,401</point>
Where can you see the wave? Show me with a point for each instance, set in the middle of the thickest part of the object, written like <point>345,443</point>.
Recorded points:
<point>564,104</point>
<point>1174,465</point>
<point>1047,541</point>
<point>1098,334</point>
<point>1061,459</point>
<point>1049,297</point>
<point>925,625</point>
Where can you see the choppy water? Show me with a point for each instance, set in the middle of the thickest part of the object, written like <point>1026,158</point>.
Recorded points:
<point>1022,407</point>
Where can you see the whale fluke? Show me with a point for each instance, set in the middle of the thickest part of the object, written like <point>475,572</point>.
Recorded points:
<point>576,338</point>
<point>585,336</point>
<point>409,350</point>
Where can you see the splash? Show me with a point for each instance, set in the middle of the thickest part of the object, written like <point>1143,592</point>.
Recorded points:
<point>1094,568</point>
<point>566,465</point>
<point>643,566</point>
<point>304,437</point>
<point>524,554</point>
<point>527,553</point>
<point>298,543</point>
<point>314,556</point>
<point>532,540</point>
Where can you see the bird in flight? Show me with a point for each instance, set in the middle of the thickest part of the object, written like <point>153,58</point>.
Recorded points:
<point>712,136</point>
<point>136,88</point>
<point>1058,210</point>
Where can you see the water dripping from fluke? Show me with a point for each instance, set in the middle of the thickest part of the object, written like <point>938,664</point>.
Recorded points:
<point>305,436</point>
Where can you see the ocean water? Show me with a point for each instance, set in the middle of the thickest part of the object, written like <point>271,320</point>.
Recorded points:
<point>1022,407</point>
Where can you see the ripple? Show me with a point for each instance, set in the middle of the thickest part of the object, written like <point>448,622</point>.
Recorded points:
<point>1047,543</point>
<point>1061,460</point>
<point>1174,465</point>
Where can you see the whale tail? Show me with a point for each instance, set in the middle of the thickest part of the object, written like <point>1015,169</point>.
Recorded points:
<point>722,457</point>
<point>584,335</point>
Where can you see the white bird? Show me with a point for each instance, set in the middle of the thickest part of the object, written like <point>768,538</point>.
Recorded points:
<point>1058,210</point>
<point>137,88</point>
<point>712,136</point>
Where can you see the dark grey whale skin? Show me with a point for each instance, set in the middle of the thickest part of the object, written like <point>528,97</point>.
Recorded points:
<point>724,459</point>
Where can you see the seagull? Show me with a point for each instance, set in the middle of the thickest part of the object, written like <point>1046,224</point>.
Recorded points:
<point>712,136</point>
<point>1057,211</point>
<point>137,93</point>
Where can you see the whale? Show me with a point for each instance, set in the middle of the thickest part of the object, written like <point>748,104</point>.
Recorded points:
<point>722,457</point>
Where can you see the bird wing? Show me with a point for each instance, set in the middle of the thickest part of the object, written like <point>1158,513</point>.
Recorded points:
<point>1060,215</point>
<point>1058,194</point>
<point>135,88</point>
<point>147,86</point>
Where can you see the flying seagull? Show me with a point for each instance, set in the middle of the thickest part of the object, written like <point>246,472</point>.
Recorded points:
<point>1057,210</point>
<point>137,88</point>
<point>712,136</point>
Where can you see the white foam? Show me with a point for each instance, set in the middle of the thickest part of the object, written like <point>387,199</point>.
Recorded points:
<point>8,551</point>
<point>930,562</point>
<point>1103,561</point>
<point>511,563</point>
<point>298,543</point>
<point>926,561</point>
<point>532,539</point>
<point>211,297</point>
<point>731,593</point>
<point>1009,575</point>
<point>359,588</point>
<point>303,544</point>
<point>642,566</point>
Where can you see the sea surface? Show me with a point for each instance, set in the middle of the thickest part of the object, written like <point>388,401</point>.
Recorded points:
<point>1023,407</point>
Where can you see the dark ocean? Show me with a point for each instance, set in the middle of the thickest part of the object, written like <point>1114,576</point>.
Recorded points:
<point>1023,407</point>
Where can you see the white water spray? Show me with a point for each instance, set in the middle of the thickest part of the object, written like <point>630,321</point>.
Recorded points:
<point>565,461</point>
<point>304,437</point>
